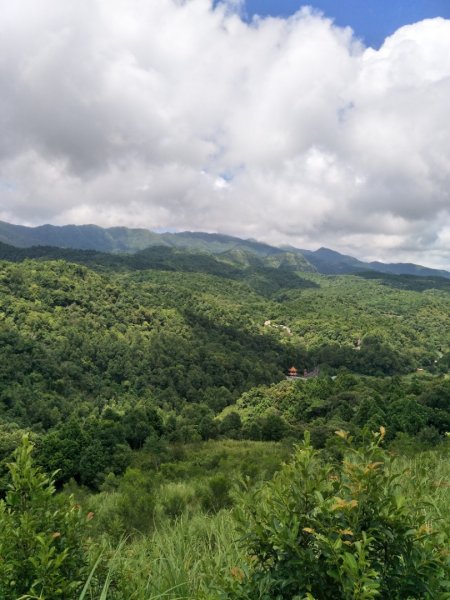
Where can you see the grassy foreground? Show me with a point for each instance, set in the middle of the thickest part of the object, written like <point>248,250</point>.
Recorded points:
<point>207,556</point>
<point>368,505</point>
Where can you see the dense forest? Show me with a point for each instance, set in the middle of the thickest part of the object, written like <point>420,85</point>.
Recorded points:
<point>151,391</point>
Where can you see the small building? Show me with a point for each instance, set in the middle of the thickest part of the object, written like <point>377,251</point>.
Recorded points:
<point>292,373</point>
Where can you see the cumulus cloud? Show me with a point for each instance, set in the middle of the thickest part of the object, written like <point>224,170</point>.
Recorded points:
<point>180,114</point>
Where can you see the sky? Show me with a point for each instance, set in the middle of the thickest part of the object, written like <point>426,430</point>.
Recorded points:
<point>371,20</point>
<point>310,126</point>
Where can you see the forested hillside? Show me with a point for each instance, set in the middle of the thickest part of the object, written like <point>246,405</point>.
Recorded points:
<point>154,386</point>
<point>74,338</point>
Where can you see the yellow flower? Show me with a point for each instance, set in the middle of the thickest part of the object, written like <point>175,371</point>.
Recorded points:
<point>340,503</point>
<point>372,467</point>
<point>309,530</point>
<point>424,529</point>
<point>238,574</point>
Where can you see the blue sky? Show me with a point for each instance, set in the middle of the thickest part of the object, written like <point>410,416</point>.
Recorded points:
<point>372,20</point>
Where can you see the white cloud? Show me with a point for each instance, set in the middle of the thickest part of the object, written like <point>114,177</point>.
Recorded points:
<point>180,115</point>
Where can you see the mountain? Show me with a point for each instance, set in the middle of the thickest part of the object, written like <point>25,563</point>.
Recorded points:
<point>408,269</point>
<point>330,262</point>
<point>225,248</point>
<point>123,239</point>
<point>83,237</point>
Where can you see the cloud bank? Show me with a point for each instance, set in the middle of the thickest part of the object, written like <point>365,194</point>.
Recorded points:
<point>177,114</point>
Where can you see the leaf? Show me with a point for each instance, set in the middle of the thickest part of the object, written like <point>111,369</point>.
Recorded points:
<point>350,561</point>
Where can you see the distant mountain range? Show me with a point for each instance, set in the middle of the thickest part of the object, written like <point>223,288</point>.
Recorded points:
<point>226,249</point>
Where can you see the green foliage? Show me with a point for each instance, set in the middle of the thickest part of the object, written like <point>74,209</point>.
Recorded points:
<point>77,342</point>
<point>273,427</point>
<point>87,453</point>
<point>126,506</point>
<point>339,531</point>
<point>217,494</point>
<point>121,349</point>
<point>231,425</point>
<point>197,479</point>
<point>41,535</point>
<point>136,503</point>
<point>178,562</point>
<point>120,369</point>
<point>416,406</point>
<point>188,554</point>
<point>10,438</point>
<point>397,327</point>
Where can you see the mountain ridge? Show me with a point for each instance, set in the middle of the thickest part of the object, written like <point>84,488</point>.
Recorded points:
<point>228,248</point>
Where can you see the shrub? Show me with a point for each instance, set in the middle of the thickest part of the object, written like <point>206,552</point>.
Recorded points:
<point>216,495</point>
<point>136,502</point>
<point>41,535</point>
<point>346,531</point>
<point>176,498</point>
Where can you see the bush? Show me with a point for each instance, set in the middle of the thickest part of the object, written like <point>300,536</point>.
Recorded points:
<point>346,531</point>
<point>216,495</point>
<point>136,503</point>
<point>41,535</point>
<point>176,499</point>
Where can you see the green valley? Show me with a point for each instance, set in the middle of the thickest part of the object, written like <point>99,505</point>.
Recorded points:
<point>154,389</point>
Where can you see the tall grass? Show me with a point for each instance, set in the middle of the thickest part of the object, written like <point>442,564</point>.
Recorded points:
<point>187,556</point>
<point>426,480</point>
<point>180,562</point>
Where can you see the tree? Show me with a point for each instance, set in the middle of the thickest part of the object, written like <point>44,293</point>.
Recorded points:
<point>231,425</point>
<point>273,427</point>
